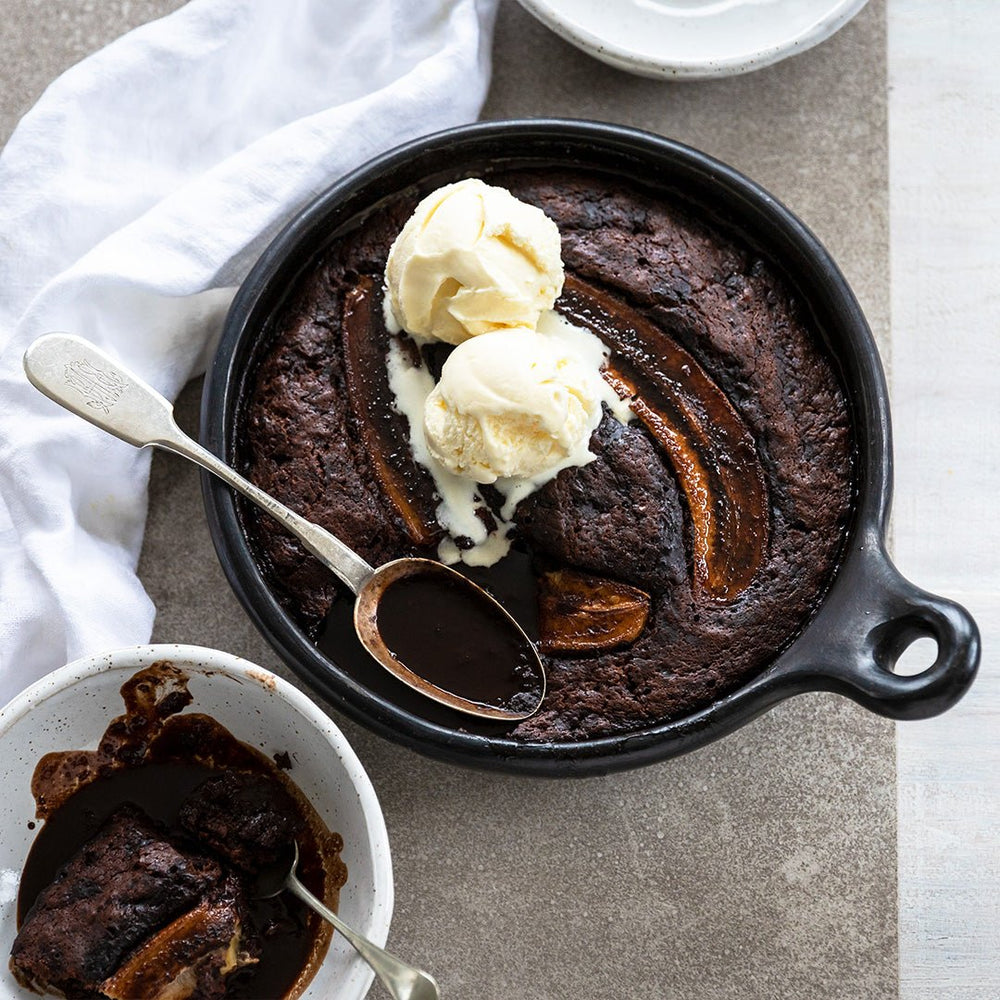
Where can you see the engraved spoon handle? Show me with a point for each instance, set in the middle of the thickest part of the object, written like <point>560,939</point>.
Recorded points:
<point>89,383</point>
<point>403,981</point>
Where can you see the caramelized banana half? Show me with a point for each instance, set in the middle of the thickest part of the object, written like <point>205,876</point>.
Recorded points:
<point>580,613</point>
<point>712,451</point>
<point>204,942</point>
<point>371,403</point>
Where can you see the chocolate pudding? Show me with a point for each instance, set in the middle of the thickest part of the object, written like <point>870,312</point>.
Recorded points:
<point>662,574</point>
<point>140,882</point>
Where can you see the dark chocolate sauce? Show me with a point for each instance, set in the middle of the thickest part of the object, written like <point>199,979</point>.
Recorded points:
<point>448,634</point>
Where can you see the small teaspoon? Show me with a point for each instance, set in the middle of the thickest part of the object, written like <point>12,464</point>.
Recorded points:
<point>403,981</point>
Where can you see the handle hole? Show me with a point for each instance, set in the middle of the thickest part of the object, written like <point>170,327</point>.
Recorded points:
<point>919,656</point>
<point>905,646</point>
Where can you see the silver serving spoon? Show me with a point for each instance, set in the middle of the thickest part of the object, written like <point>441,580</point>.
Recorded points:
<point>91,384</point>
<point>403,981</point>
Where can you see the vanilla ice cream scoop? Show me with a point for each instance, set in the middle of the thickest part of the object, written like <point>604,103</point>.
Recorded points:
<point>470,260</point>
<point>512,404</point>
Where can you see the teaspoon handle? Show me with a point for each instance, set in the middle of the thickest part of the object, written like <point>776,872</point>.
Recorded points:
<point>403,981</point>
<point>82,378</point>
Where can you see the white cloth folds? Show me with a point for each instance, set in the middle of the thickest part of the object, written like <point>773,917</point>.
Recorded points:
<point>134,197</point>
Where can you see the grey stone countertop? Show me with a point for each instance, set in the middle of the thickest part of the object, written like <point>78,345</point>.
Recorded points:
<point>760,868</point>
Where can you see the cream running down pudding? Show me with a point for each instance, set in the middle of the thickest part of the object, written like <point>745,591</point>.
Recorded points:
<point>659,565</point>
<point>520,395</point>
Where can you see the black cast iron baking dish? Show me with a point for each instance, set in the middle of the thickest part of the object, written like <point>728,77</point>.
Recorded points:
<point>870,612</point>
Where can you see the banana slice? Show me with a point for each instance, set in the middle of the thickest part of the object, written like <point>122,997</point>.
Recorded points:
<point>581,613</point>
<point>712,451</point>
<point>371,402</point>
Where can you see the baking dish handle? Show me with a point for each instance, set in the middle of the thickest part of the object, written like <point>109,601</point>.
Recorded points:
<point>874,613</point>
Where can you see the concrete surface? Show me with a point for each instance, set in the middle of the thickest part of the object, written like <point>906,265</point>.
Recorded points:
<point>761,868</point>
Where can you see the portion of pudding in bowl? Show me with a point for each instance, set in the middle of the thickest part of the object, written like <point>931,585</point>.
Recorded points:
<point>141,880</point>
<point>641,448</point>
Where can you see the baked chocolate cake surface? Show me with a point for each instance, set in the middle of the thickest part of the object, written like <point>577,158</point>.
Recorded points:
<point>243,817</point>
<point>319,432</point>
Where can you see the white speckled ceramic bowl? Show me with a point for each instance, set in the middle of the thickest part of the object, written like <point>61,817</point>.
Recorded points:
<point>693,39</point>
<point>71,708</point>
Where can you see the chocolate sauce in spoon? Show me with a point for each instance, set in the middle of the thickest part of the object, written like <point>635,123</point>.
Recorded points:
<point>447,634</point>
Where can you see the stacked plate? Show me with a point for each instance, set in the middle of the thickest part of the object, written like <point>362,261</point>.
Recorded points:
<point>693,39</point>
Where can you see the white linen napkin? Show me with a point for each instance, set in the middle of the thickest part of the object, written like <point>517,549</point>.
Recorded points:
<point>134,197</point>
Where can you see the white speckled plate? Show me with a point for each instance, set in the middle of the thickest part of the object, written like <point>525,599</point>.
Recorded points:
<point>693,39</point>
<point>71,708</point>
